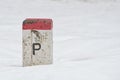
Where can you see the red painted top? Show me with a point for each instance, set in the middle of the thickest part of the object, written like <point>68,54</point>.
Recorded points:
<point>38,24</point>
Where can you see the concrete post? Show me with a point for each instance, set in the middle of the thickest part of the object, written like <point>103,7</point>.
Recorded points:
<point>37,42</point>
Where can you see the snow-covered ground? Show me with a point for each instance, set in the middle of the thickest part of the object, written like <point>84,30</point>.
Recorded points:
<point>86,39</point>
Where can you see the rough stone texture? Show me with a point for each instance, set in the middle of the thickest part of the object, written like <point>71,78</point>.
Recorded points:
<point>27,48</point>
<point>42,56</point>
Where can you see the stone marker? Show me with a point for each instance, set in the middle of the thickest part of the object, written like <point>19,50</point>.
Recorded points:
<point>37,42</point>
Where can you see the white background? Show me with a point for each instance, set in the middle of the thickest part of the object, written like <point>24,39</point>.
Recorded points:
<point>86,39</point>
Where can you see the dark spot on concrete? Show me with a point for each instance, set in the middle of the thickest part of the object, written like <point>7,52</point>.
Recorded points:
<point>36,33</point>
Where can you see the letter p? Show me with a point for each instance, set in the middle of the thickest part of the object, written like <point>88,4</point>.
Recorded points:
<point>36,46</point>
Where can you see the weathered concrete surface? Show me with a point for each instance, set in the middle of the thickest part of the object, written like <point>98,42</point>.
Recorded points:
<point>37,47</point>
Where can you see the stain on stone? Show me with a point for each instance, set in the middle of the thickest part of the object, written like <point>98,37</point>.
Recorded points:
<point>28,36</point>
<point>29,21</point>
<point>36,33</point>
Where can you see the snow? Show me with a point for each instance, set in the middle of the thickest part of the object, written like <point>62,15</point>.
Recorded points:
<point>86,39</point>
